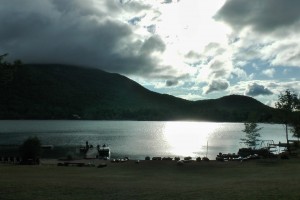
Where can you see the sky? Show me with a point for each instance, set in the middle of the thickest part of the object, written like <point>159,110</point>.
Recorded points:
<point>192,49</point>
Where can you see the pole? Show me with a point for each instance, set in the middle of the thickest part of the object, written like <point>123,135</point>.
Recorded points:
<point>287,138</point>
<point>206,148</point>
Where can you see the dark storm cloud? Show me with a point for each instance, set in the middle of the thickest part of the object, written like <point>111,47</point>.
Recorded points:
<point>261,15</point>
<point>154,43</point>
<point>256,90</point>
<point>77,32</point>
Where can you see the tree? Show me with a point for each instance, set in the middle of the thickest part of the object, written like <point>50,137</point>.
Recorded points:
<point>7,70</point>
<point>30,150</point>
<point>252,134</point>
<point>295,127</point>
<point>287,103</point>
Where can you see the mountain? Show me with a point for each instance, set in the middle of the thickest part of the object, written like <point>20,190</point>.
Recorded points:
<point>235,108</point>
<point>66,92</point>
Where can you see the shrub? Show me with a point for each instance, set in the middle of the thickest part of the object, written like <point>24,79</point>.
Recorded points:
<point>30,150</point>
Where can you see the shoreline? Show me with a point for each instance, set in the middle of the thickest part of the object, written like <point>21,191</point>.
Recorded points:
<point>96,162</point>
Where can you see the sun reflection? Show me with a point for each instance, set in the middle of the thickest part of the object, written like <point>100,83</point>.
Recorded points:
<point>188,138</point>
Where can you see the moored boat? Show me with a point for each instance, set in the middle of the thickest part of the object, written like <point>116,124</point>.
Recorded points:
<point>103,152</point>
<point>100,152</point>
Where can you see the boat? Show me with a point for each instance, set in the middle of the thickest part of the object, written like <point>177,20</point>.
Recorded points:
<point>103,152</point>
<point>267,149</point>
<point>100,152</point>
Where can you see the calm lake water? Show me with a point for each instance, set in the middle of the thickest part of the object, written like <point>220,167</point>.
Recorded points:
<point>137,139</point>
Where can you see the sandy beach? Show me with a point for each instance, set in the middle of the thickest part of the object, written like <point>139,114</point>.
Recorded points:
<point>256,179</point>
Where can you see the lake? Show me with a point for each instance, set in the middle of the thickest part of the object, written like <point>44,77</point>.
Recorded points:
<point>137,139</point>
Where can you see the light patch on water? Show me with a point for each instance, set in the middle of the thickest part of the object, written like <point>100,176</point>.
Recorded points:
<point>188,138</point>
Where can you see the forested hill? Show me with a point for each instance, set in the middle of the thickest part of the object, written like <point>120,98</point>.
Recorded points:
<point>69,92</point>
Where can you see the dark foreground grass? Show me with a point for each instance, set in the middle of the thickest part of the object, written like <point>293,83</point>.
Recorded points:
<point>154,180</point>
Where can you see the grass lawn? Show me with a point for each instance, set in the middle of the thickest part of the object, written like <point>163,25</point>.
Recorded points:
<point>261,179</point>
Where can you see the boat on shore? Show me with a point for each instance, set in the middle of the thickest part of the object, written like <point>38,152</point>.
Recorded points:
<point>103,152</point>
<point>100,151</point>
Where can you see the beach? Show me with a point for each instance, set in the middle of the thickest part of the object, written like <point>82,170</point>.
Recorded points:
<point>255,179</point>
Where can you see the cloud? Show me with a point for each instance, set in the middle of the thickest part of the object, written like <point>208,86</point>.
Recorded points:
<point>167,1</point>
<point>256,90</point>
<point>219,67</point>
<point>241,74</point>
<point>214,49</point>
<point>153,44</point>
<point>216,85</point>
<point>285,51</point>
<point>275,86</point>
<point>151,28</point>
<point>263,16</point>
<point>265,34</point>
<point>85,33</point>
<point>269,72</point>
<point>170,83</point>
<point>132,6</point>
<point>135,20</point>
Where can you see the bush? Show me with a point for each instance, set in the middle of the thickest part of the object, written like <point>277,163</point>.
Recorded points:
<point>284,156</point>
<point>205,159</point>
<point>198,159</point>
<point>30,150</point>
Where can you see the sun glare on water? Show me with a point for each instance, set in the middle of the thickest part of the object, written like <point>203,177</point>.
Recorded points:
<point>188,138</point>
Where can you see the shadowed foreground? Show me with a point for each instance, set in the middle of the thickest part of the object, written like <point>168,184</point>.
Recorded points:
<point>263,179</point>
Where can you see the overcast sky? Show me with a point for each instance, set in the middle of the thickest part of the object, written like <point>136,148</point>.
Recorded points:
<point>191,49</point>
